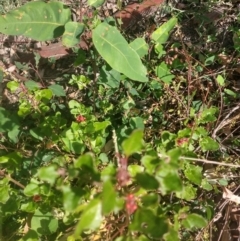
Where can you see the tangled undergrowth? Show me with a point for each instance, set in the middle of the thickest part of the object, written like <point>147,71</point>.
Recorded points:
<point>95,148</point>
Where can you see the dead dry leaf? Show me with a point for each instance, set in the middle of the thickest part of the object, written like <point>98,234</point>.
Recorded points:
<point>227,194</point>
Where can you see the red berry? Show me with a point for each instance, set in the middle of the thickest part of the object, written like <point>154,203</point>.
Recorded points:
<point>80,118</point>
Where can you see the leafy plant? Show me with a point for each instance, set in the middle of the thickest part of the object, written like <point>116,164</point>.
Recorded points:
<point>116,160</point>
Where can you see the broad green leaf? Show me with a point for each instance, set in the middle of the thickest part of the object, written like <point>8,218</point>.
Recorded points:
<point>31,235</point>
<point>38,20</point>
<point>220,80</point>
<point>24,109</point>
<point>45,189</point>
<point>210,60</point>
<point>71,198</point>
<point>109,77</point>
<point>12,204</point>
<point>13,134</point>
<point>95,3</point>
<point>101,125</point>
<point>44,223</point>
<point>137,123</point>
<point>108,197</point>
<point>194,221</point>
<point>32,85</point>
<point>48,174</point>
<point>91,218</point>
<point>32,188</point>
<point>208,115</point>
<point>119,55</point>
<point>45,95</point>
<point>57,90</point>
<point>13,85</point>
<point>14,160</point>
<point>193,173</point>
<point>172,182</point>
<point>206,185</point>
<point>147,181</point>
<point>4,190</point>
<point>150,200</point>
<point>223,182</point>
<point>85,160</point>
<point>135,169</point>
<point>163,73</point>
<point>29,207</point>
<point>230,92</point>
<point>71,36</point>
<point>208,144</point>
<point>134,143</point>
<point>162,33</point>
<point>76,147</point>
<point>188,192</point>
<point>140,46</point>
<point>171,235</point>
<point>155,226</point>
<point>150,163</point>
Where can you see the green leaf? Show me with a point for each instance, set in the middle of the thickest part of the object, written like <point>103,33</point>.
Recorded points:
<point>205,185</point>
<point>119,55</point>
<point>146,222</point>
<point>171,235</point>
<point>223,182</point>
<point>220,80</point>
<point>85,160</point>
<point>29,207</point>
<point>208,144</point>
<point>13,85</point>
<point>150,163</point>
<point>172,182</point>
<point>71,36</point>
<point>188,192</point>
<point>108,197</point>
<point>163,72</point>
<point>12,205</point>
<point>32,85</point>
<point>91,217</point>
<point>193,173</point>
<point>137,123</point>
<point>44,223</point>
<point>135,169</point>
<point>230,92</point>
<point>209,60</point>
<point>208,115</point>
<point>95,3</point>
<point>134,143</point>
<point>4,190</point>
<point>43,95</point>
<point>140,46</point>
<point>31,235</point>
<point>38,20</point>
<point>109,77</point>
<point>57,90</point>
<point>71,198</point>
<point>162,33</point>
<point>98,126</point>
<point>150,200</point>
<point>32,188</point>
<point>48,174</point>
<point>194,221</point>
<point>147,181</point>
